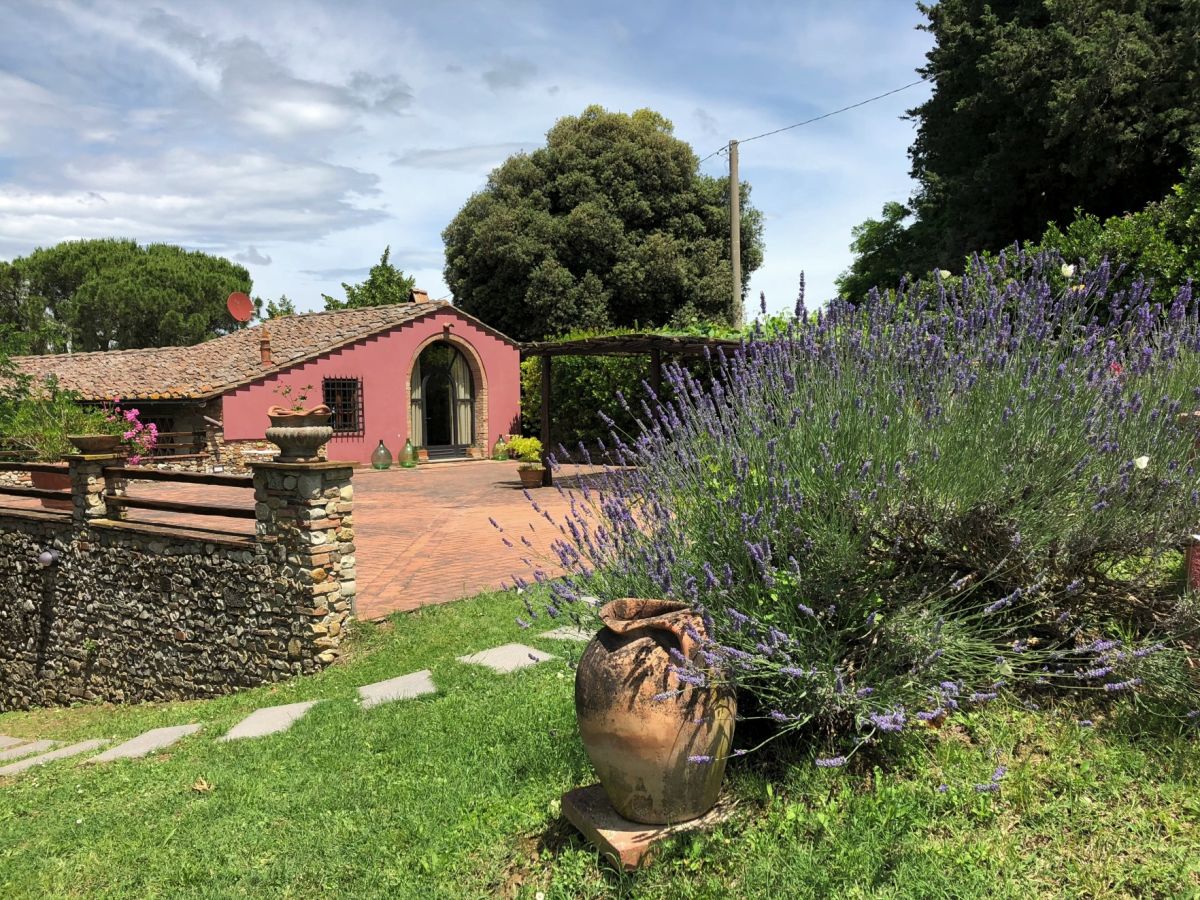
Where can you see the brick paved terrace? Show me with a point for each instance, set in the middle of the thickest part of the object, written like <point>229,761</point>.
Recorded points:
<point>422,535</point>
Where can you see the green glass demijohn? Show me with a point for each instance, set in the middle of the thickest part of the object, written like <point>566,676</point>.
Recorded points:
<point>408,458</point>
<point>382,457</point>
<point>500,449</point>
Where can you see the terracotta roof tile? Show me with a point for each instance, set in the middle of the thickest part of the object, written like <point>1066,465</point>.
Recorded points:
<point>214,367</point>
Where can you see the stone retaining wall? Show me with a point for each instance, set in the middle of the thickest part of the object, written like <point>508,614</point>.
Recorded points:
<point>134,611</point>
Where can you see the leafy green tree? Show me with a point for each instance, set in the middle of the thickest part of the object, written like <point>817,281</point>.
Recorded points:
<point>1042,107</point>
<point>281,307</point>
<point>116,294</point>
<point>610,224</point>
<point>385,286</point>
<point>882,248</point>
<point>1159,243</point>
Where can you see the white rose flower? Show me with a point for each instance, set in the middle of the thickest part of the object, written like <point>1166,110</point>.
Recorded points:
<point>1141,462</point>
<point>1067,270</point>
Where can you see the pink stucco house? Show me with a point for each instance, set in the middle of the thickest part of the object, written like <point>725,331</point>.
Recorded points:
<point>423,371</point>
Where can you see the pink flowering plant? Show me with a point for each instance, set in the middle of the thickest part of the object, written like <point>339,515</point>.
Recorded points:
<point>139,438</point>
<point>969,490</point>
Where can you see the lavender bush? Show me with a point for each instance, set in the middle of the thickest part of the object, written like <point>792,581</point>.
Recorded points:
<point>894,512</point>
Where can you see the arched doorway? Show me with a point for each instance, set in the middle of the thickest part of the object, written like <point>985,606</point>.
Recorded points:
<point>442,392</point>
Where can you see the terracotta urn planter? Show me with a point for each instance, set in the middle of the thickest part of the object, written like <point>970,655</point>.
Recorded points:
<point>642,748</point>
<point>299,433</point>
<point>53,481</point>
<point>532,477</point>
<point>95,443</point>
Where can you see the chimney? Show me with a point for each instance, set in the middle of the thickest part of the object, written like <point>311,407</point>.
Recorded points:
<point>264,348</point>
<point>419,296</point>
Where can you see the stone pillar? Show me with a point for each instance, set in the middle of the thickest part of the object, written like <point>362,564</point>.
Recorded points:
<point>306,511</point>
<point>88,485</point>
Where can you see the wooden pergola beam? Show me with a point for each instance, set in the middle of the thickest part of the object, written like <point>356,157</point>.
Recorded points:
<point>652,345</point>
<point>547,475</point>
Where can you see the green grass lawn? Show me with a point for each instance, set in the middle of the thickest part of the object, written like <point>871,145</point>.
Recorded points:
<point>456,795</point>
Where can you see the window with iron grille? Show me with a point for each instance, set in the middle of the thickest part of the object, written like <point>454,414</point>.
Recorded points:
<point>344,397</point>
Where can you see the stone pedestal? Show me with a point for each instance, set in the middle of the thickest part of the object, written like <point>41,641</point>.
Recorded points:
<point>630,845</point>
<point>88,484</point>
<point>306,510</point>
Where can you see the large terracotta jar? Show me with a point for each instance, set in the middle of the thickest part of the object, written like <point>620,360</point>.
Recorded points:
<point>299,433</point>
<point>642,747</point>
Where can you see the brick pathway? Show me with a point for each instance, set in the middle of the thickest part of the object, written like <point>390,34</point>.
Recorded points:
<point>422,535</point>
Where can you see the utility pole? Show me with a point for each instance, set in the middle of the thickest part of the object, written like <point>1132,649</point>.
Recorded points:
<point>735,229</point>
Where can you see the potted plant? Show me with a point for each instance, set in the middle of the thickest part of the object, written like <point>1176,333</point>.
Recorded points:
<point>50,424</point>
<point>529,451</point>
<point>297,429</point>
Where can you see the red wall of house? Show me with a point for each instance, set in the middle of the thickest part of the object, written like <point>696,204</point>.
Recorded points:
<point>384,363</point>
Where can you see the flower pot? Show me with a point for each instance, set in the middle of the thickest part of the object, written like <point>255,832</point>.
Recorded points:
<point>642,748</point>
<point>531,478</point>
<point>95,443</point>
<point>299,433</point>
<point>54,481</point>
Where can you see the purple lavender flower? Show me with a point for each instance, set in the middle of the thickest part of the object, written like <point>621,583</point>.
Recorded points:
<point>700,759</point>
<point>830,762</point>
<point>1117,686</point>
<point>892,721</point>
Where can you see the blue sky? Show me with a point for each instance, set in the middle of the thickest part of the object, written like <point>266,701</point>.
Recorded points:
<point>300,138</point>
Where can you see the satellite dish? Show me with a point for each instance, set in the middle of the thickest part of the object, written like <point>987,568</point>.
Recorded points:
<point>239,306</point>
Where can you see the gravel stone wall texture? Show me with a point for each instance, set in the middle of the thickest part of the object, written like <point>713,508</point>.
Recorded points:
<point>133,612</point>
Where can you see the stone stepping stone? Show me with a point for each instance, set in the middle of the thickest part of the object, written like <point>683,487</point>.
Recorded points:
<point>61,753</point>
<point>155,739</point>
<point>405,687</point>
<point>569,633</point>
<point>6,741</point>
<point>269,720</point>
<point>25,749</point>
<point>506,658</point>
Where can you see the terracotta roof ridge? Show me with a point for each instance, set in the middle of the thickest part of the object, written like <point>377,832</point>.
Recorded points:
<point>408,304</point>
<point>109,353</point>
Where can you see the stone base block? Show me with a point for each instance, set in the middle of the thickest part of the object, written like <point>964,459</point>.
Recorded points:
<point>630,845</point>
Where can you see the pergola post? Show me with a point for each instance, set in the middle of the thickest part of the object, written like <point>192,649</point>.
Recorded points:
<point>547,475</point>
<point>656,372</point>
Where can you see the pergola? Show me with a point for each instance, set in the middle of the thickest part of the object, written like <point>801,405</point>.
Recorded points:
<point>655,346</point>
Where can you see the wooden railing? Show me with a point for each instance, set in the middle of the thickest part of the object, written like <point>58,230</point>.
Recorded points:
<point>180,443</point>
<point>119,499</point>
<point>116,498</point>
<point>62,495</point>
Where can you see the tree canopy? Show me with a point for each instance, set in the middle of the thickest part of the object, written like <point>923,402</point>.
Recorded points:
<point>112,293</point>
<point>276,308</point>
<point>610,224</point>
<point>1039,108</point>
<point>385,285</point>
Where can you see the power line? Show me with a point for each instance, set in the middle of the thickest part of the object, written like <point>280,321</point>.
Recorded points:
<point>820,117</point>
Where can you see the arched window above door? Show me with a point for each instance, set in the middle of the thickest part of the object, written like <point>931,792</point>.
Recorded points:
<point>442,394</point>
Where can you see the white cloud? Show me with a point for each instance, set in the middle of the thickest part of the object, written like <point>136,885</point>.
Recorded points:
<point>326,131</point>
<point>509,73</point>
<point>192,198</point>
<point>479,157</point>
<point>252,257</point>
